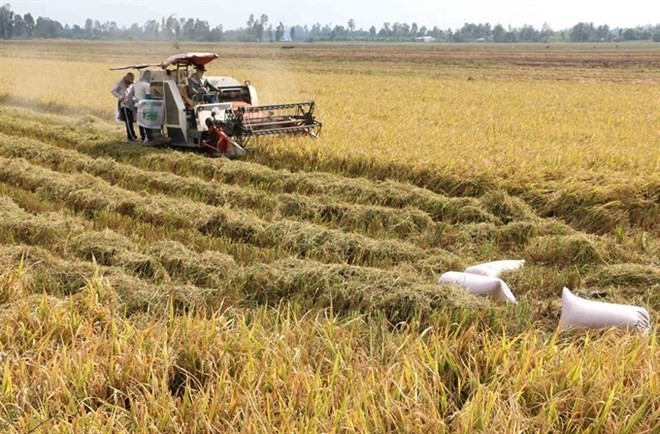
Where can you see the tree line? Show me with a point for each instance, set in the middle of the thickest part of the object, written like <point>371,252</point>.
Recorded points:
<point>260,29</point>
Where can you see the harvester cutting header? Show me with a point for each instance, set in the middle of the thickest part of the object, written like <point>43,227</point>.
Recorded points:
<point>221,120</point>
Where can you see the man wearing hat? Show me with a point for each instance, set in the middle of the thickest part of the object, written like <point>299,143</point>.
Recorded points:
<point>120,90</point>
<point>199,87</point>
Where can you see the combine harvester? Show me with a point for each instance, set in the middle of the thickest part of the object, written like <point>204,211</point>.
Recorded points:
<point>222,127</point>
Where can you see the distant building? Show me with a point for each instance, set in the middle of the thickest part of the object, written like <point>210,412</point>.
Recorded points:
<point>425,39</point>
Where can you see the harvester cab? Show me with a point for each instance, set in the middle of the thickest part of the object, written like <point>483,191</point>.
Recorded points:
<point>222,121</point>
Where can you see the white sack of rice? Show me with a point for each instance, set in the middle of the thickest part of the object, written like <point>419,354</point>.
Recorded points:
<point>495,268</point>
<point>492,287</point>
<point>578,312</point>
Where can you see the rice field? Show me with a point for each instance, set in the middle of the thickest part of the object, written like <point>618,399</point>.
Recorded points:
<point>152,290</point>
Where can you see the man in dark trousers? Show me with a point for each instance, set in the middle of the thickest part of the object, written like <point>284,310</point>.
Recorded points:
<point>121,91</point>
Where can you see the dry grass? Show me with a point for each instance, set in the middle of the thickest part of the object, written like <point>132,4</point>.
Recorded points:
<point>208,372</point>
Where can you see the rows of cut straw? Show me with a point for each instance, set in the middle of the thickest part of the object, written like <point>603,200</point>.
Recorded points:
<point>67,236</point>
<point>112,249</point>
<point>88,195</point>
<point>351,190</point>
<point>374,221</point>
<point>589,201</point>
<point>57,277</point>
<point>622,200</point>
<point>545,243</point>
<point>311,284</point>
<point>516,234</point>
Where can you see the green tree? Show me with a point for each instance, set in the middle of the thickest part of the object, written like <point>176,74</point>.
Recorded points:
<point>19,27</point>
<point>202,30</point>
<point>152,29</point>
<point>396,29</point>
<point>546,32</point>
<point>279,32</point>
<point>171,28</point>
<point>188,29</point>
<point>6,22</point>
<point>629,35</point>
<point>217,34</point>
<point>89,26</point>
<point>581,32</point>
<point>655,36</point>
<point>603,33</point>
<point>47,28</point>
<point>260,26</point>
<point>528,34</point>
<point>29,24</point>
<point>386,31</point>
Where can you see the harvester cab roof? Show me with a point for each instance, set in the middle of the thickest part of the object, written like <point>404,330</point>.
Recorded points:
<point>188,59</point>
<point>221,121</point>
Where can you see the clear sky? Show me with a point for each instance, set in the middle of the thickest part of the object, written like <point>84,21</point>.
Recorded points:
<point>232,14</point>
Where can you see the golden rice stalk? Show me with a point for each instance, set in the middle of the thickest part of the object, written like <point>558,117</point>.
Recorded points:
<point>18,225</point>
<point>577,249</point>
<point>351,190</point>
<point>103,246</point>
<point>207,269</point>
<point>627,275</point>
<point>350,288</point>
<point>306,240</point>
<point>47,272</point>
<point>507,208</point>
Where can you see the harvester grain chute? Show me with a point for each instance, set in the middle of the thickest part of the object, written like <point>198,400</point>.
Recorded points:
<point>224,123</point>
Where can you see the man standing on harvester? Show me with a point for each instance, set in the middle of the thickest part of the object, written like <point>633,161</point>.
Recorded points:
<point>139,92</point>
<point>121,91</point>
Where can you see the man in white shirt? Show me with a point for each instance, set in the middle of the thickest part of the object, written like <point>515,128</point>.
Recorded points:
<point>121,91</point>
<point>141,90</point>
